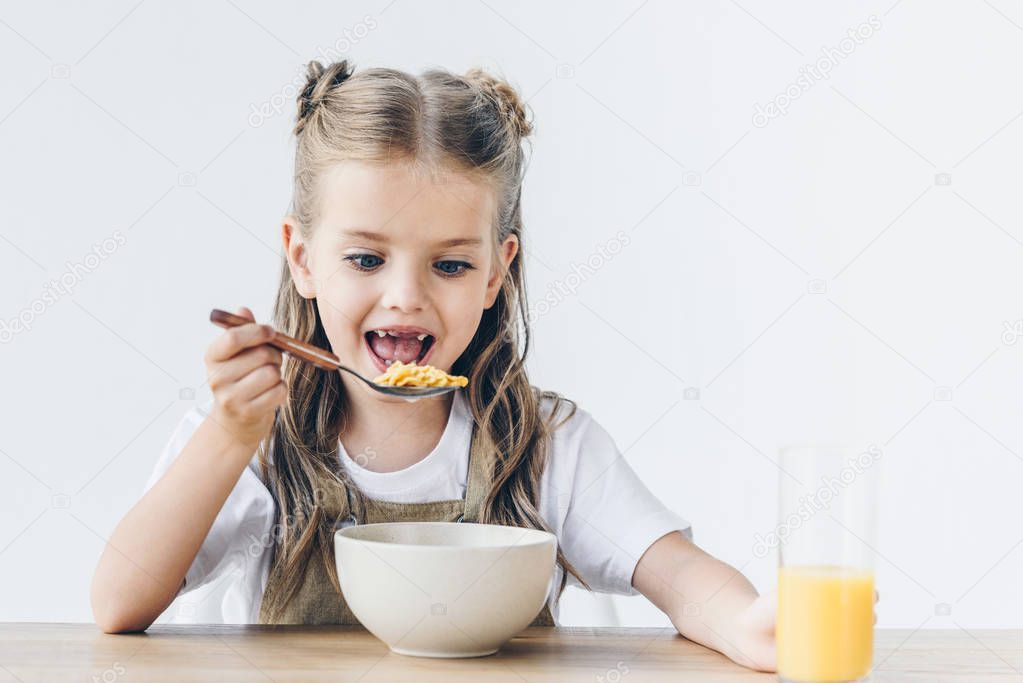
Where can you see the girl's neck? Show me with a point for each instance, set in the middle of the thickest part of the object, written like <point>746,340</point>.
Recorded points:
<point>386,436</point>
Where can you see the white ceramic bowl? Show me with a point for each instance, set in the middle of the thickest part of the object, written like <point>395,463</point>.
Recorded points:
<point>444,589</point>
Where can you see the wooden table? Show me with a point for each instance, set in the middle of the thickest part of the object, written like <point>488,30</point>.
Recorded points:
<point>80,652</point>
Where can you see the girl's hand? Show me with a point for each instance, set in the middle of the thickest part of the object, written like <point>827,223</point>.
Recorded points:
<point>245,375</point>
<point>754,628</point>
<point>755,643</point>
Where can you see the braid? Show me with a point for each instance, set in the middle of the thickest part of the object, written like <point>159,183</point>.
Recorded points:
<point>505,99</point>
<point>320,81</point>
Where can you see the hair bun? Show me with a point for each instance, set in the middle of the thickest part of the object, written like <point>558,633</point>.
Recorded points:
<point>505,98</point>
<point>320,80</point>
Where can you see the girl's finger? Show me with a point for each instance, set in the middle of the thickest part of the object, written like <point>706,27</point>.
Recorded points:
<point>242,364</point>
<point>256,382</point>
<point>272,397</point>
<point>237,339</point>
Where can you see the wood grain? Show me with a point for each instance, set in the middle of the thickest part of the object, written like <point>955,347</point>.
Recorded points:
<point>285,654</point>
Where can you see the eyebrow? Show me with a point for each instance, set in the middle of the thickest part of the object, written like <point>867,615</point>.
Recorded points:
<point>378,237</point>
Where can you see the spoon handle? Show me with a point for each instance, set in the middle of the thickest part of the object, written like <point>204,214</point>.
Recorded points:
<point>314,354</point>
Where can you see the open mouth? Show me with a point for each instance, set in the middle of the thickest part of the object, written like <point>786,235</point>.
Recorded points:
<point>406,345</point>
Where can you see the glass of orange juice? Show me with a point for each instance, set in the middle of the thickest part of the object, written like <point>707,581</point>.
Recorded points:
<point>826,534</point>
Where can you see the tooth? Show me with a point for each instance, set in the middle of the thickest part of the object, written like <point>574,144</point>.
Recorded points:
<point>380,333</point>
<point>421,337</point>
<point>392,334</point>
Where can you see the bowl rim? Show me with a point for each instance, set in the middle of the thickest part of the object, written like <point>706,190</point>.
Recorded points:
<point>545,537</point>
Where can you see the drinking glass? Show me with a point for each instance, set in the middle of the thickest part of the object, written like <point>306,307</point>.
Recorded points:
<point>826,535</point>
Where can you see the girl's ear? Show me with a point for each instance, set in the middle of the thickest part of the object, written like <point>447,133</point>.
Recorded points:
<point>506,255</point>
<point>297,252</point>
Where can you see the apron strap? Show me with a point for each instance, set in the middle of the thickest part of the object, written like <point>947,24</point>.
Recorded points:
<point>477,484</point>
<point>346,514</point>
<point>347,511</point>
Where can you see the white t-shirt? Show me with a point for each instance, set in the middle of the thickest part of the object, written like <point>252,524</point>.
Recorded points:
<point>603,515</point>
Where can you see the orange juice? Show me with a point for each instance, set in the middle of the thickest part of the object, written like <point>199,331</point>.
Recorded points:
<point>825,628</point>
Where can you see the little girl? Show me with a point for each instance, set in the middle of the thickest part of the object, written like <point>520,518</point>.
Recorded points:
<point>404,243</point>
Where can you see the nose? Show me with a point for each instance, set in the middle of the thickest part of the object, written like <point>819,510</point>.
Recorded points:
<point>404,290</point>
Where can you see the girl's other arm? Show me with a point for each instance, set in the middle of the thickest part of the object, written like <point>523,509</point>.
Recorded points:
<point>708,601</point>
<point>144,563</point>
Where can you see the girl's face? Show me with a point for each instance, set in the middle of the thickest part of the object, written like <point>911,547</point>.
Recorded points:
<point>402,264</point>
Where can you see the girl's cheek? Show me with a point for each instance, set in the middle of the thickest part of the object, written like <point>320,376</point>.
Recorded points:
<point>340,295</point>
<point>339,320</point>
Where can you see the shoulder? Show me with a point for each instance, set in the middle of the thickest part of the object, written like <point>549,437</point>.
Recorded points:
<point>578,442</point>
<point>566,420</point>
<point>603,514</point>
<point>582,455</point>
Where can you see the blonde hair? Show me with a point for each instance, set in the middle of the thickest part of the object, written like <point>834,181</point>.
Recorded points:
<point>475,124</point>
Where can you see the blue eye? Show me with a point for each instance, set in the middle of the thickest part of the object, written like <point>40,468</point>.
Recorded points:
<point>452,268</point>
<point>364,261</point>
<point>369,262</point>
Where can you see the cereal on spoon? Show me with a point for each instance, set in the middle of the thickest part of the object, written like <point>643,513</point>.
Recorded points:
<point>411,375</point>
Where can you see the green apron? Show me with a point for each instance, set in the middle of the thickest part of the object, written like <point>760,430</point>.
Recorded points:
<point>318,602</point>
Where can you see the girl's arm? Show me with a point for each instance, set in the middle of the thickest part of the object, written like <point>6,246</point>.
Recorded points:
<point>708,601</point>
<point>144,563</point>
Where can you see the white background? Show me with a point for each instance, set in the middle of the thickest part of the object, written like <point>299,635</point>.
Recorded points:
<point>812,277</point>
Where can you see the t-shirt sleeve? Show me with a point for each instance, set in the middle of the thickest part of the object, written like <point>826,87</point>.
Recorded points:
<point>611,517</point>
<point>240,536</point>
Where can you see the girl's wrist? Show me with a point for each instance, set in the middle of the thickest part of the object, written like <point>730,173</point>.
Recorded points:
<point>230,443</point>
<point>234,436</point>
